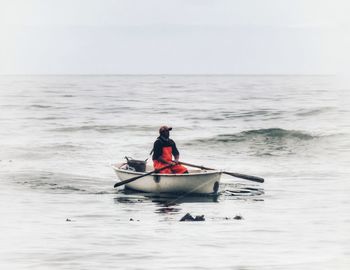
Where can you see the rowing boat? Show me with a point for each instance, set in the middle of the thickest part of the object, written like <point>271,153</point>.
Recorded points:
<point>196,181</point>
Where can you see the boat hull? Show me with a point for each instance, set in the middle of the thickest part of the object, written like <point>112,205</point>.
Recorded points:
<point>200,182</point>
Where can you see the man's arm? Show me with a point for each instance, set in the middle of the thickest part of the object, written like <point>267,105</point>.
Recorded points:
<point>176,153</point>
<point>164,161</point>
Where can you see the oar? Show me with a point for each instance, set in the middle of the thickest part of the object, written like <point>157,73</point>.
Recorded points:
<point>238,175</point>
<point>138,177</point>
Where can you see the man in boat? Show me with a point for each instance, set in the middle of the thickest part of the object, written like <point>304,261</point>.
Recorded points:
<point>163,150</point>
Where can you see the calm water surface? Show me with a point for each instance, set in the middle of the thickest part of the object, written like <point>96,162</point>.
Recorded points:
<point>59,135</point>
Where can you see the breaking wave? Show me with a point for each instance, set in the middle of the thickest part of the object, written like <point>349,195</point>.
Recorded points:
<point>259,142</point>
<point>260,134</point>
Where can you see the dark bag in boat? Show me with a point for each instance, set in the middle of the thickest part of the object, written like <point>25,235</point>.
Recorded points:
<point>136,165</point>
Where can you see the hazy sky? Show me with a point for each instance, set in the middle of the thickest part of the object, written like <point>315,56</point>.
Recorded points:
<point>174,36</point>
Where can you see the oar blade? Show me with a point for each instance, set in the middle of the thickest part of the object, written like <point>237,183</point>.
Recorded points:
<point>247,177</point>
<point>118,184</point>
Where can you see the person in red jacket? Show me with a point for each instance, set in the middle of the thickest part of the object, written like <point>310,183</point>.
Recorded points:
<point>163,150</point>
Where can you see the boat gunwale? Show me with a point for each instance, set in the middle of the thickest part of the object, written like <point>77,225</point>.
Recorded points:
<point>166,174</point>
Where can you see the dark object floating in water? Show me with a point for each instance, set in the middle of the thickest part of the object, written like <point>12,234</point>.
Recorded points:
<point>68,219</point>
<point>237,217</point>
<point>131,219</point>
<point>188,217</point>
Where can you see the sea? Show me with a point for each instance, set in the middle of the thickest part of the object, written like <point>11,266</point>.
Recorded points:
<point>60,134</point>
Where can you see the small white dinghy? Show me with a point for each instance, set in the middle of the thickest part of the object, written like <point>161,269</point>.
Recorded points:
<point>196,181</point>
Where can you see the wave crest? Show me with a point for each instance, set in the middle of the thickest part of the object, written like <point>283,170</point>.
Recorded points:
<point>263,134</point>
<point>259,142</point>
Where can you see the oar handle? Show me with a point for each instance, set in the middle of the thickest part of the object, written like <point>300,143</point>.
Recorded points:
<point>195,166</point>
<point>140,176</point>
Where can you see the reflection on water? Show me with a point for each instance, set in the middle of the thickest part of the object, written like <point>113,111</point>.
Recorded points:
<point>168,203</point>
<point>168,210</point>
<point>163,199</point>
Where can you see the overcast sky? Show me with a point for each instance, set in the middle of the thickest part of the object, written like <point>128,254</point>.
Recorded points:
<point>174,36</point>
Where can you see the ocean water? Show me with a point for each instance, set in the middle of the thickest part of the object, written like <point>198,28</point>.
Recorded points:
<point>59,135</point>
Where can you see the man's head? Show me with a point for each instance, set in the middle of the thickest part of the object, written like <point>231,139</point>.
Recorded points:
<point>164,131</point>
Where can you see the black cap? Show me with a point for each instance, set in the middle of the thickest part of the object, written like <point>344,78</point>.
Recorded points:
<point>164,128</point>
